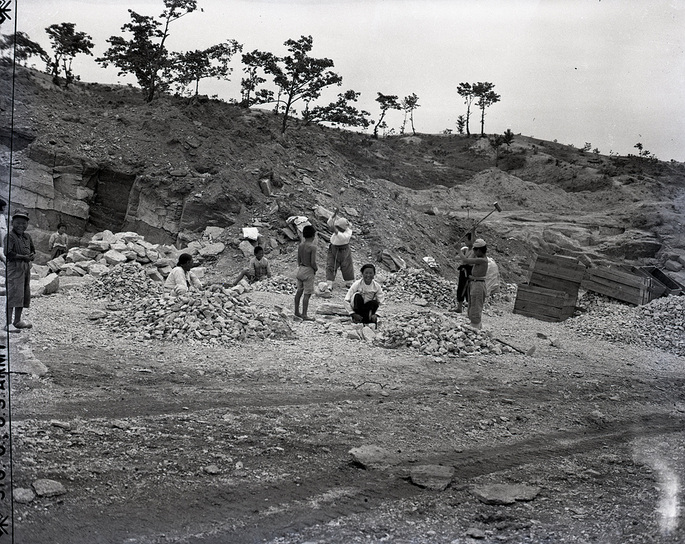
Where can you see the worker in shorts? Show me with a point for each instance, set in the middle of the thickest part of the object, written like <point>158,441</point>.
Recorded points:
<point>306,271</point>
<point>339,253</point>
<point>476,280</point>
<point>19,252</point>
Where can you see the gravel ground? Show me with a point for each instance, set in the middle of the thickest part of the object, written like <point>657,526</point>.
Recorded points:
<point>185,441</point>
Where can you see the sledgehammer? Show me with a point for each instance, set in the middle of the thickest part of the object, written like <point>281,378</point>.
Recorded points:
<point>498,208</point>
<point>530,351</point>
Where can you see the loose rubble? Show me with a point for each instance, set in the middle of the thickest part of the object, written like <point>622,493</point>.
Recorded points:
<point>215,315</point>
<point>437,335</point>
<point>659,324</point>
<point>415,284</point>
<point>276,284</point>
<point>123,283</point>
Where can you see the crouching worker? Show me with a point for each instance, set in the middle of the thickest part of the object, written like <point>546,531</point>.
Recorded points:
<point>476,280</point>
<point>364,297</point>
<point>182,279</point>
<point>257,270</point>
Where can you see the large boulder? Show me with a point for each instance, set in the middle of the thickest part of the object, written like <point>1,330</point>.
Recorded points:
<point>45,286</point>
<point>211,250</point>
<point>114,257</point>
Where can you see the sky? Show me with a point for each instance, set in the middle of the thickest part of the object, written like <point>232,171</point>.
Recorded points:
<point>606,72</point>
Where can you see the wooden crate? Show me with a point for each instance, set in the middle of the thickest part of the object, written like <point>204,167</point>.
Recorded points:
<point>657,289</point>
<point>671,287</point>
<point>544,304</point>
<point>615,283</point>
<point>558,273</point>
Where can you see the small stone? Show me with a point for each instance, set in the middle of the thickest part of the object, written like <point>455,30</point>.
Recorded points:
<point>476,533</point>
<point>213,470</point>
<point>23,495</point>
<point>48,488</point>
<point>505,493</point>
<point>61,424</point>
<point>370,456</point>
<point>436,477</point>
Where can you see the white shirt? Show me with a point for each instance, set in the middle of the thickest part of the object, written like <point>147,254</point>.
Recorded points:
<point>179,280</point>
<point>368,292</point>
<point>339,238</point>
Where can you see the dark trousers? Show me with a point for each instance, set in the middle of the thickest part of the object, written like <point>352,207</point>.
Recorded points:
<point>364,309</point>
<point>462,286</point>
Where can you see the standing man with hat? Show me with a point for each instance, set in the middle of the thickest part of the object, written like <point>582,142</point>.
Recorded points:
<point>20,252</point>
<point>339,252</point>
<point>476,279</point>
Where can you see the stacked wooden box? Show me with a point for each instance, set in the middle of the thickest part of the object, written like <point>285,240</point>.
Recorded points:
<point>621,285</point>
<point>552,289</point>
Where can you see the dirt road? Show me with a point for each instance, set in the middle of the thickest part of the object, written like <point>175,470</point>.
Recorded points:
<point>189,443</point>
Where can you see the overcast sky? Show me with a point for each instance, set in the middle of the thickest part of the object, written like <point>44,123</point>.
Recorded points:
<point>608,72</point>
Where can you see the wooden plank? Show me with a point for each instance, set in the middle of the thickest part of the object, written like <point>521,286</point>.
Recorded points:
<point>538,311</point>
<point>569,287</point>
<point>563,260</point>
<point>610,285</point>
<point>632,295</point>
<point>532,307</point>
<point>657,289</point>
<point>617,276</point>
<point>547,269</point>
<point>540,290</point>
<point>534,298</point>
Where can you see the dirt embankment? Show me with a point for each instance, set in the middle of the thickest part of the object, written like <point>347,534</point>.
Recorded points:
<point>96,157</point>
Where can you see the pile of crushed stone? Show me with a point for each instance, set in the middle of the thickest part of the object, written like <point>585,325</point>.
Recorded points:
<point>124,283</point>
<point>659,324</point>
<point>418,286</point>
<point>437,335</point>
<point>216,316</point>
<point>276,284</point>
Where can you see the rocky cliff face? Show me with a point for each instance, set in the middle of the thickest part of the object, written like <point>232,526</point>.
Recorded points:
<point>98,158</point>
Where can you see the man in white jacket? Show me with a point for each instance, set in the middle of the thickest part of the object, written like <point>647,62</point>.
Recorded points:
<point>182,279</point>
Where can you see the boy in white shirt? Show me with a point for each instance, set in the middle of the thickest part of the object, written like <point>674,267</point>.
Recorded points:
<point>364,297</point>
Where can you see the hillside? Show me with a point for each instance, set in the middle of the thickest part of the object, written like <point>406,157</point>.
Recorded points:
<point>216,417</point>
<point>97,157</point>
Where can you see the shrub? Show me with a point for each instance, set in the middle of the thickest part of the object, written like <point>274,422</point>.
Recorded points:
<point>513,162</point>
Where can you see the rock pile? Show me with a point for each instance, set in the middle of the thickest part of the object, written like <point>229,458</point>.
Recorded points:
<point>415,284</point>
<point>437,335</point>
<point>659,324</point>
<point>276,284</point>
<point>124,283</point>
<point>106,249</point>
<point>215,315</point>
